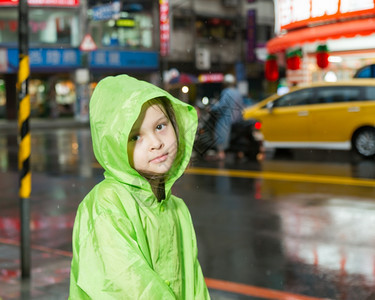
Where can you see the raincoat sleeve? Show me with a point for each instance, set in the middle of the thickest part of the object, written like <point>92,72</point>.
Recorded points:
<point>201,291</point>
<point>108,263</point>
<point>200,287</point>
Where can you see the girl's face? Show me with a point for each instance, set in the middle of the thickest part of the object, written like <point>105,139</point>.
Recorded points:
<point>152,144</point>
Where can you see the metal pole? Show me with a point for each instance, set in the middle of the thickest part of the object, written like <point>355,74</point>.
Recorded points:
<point>161,58</point>
<point>24,136</point>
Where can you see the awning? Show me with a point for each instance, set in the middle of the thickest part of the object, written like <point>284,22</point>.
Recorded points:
<point>322,33</point>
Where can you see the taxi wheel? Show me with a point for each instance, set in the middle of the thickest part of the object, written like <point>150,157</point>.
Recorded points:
<point>364,142</point>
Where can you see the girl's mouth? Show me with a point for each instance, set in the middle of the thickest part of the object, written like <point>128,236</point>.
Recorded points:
<point>159,159</point>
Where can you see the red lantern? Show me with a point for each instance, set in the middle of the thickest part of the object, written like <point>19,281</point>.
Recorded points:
<point>293,61</point>
<point>271,68</point>
<point>322,56</point>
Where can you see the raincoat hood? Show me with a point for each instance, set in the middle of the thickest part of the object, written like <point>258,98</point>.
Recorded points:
<point>114,107</point>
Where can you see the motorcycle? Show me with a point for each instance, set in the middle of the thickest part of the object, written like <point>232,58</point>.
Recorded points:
<point>244,136</point>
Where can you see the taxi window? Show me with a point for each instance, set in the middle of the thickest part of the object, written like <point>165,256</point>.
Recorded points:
<point>338,94</point>
<point>370,93</point>
<point>301,97</point>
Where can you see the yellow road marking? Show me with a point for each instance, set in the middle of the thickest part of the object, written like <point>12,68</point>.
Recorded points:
<point>283,176</point>
<point>278,176</point>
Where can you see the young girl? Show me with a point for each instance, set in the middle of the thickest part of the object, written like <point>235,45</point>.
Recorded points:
<point>132,239</point>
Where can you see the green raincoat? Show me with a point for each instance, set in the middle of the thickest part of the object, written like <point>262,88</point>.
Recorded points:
<point>127,244</point>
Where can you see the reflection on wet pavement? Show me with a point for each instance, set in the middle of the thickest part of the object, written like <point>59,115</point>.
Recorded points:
<point>308,240</point>
<point>54,151</point>
<point>331,236</point>
<point>49,278</point>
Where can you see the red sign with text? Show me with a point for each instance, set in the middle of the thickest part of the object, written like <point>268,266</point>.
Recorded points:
<point>211,77</point>
<point>64,3</point>
<point>164,27</point>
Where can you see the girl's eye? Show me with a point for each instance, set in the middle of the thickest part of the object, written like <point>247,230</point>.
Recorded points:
<point>134,138</point>
<point>160,126</point>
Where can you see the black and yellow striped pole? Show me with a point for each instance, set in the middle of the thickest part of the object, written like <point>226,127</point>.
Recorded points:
<point>24,150</point>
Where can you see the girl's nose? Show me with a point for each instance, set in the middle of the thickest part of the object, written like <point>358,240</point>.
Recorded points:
<point>156,143</point>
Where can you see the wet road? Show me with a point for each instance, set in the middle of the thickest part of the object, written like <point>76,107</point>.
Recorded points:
<point>295,226</point>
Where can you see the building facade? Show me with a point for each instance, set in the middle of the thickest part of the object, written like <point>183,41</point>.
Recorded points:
<point>218,37</point>
<point>75,43</point>
<point>344,29</point>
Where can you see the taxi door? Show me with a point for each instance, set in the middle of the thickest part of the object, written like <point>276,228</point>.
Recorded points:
<point>285,120</point>
<point>336,114</point>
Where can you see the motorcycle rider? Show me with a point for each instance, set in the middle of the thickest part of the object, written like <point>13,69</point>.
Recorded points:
<point>228,110</point>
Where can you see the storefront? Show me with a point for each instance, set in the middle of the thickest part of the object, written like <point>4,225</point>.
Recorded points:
<point>54,35</point>
<point>322,40</point>
<point>124,45</point>
<point>49,82</point>
<point>53,86</point>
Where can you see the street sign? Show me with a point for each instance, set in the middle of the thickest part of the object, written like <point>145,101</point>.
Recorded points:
<point>88,44</point>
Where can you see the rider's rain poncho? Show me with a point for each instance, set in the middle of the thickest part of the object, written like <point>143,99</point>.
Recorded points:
<point>127,244</point>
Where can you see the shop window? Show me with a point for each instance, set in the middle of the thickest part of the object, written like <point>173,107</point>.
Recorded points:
<point>63,29</point>
<point>215,28</point>
<point>65,97</point>
<point>132,30</point>
<point>46,26</point>
<point>8,26</point>
<point>181,23</point>
<point>37,92</point>
<point>263,33</point>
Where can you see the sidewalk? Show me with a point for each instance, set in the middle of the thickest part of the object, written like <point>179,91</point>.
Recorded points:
<point>36,123</point>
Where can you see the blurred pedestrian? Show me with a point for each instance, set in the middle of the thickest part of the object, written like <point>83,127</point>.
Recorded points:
<point>133,239</point>
<point>228,110</point>
<point>53,108</point>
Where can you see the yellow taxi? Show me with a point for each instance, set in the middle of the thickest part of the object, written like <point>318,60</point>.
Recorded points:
<point>324,115</point>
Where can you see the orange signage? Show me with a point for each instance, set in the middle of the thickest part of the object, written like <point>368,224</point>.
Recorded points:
<point>292,14</point>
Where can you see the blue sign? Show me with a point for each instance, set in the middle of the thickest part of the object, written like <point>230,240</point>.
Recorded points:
<point>106,11</point>
<point>106,59</point>
<point>51,59</point>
